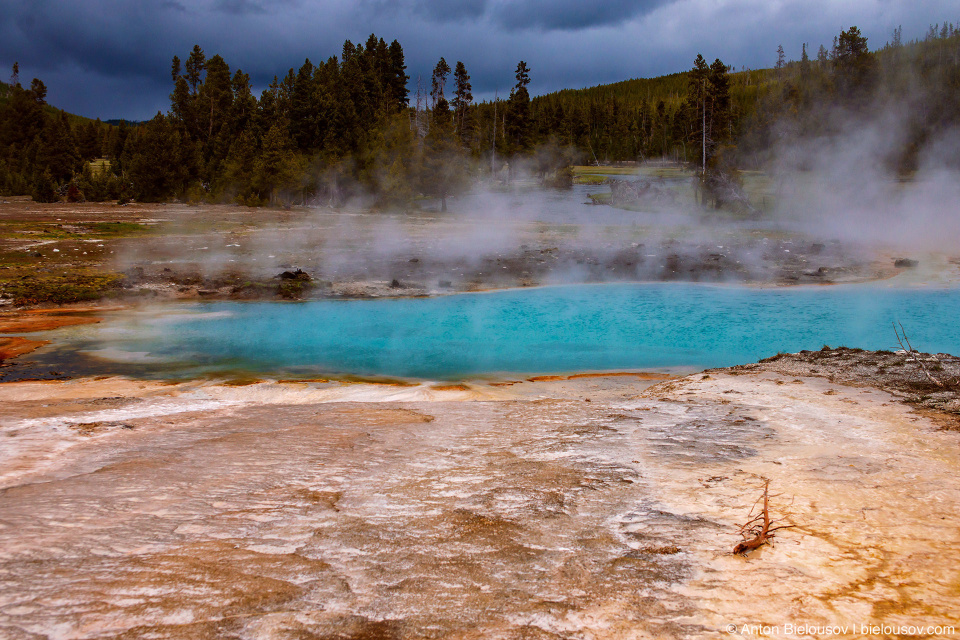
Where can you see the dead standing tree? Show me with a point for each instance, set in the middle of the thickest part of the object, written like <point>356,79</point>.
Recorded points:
<point>913,353</point>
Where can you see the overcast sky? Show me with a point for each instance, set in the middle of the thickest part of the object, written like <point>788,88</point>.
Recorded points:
<point>111,58</point>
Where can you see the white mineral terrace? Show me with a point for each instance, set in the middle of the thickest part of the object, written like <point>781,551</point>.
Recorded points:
<point>335,510</point>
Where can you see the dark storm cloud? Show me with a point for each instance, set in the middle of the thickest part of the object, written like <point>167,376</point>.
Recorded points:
<point>252,7</point>
<point>516,15</point>
<point>239,7</point>
<point>452,11</point>
<point>112,38</point>
<point>111,58</point>
<point>571,14</point>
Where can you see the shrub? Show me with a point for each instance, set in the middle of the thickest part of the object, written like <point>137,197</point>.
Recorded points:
<point>44,189</point>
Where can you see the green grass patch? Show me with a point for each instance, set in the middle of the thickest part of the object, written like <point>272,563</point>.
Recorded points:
<point>118,228</point>
<point>61,289</point>
<point>100,164</point>
<point>55,231</point>
<point>589,178</point>
<point>651,172</point>
<point>610,171</point>
<point>43,232</point>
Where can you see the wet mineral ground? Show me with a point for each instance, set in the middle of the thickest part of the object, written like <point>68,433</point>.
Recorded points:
<point>603,506</point>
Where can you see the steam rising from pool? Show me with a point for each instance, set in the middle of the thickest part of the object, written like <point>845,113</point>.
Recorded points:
<point>552,329</point>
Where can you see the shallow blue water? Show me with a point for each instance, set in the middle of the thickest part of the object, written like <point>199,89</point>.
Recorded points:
<point>553,329</point>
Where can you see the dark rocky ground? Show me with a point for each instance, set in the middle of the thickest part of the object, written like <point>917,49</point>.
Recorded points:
<point>899,373</point>
<point>758,260</point>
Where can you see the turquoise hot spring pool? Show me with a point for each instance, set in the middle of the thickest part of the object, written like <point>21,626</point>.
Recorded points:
<point>542,330</point>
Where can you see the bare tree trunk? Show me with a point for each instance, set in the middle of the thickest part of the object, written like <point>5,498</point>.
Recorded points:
<point>910,353</point>
<point>703,131</point>
<point>493,143</point>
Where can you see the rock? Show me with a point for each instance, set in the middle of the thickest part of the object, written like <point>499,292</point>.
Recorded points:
<point>299,274</point>
<point>395,284</point>
<point>906,263</point>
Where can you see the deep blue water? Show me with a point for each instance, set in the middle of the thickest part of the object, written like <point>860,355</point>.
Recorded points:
<point>552,329</point>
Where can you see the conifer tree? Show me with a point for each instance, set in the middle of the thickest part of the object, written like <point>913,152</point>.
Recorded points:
<point>154,160</point>
<point>21,118</point>
<point>194,67</point>
<point>718,96</point>
<point>462,96</point>
<point>39,91</point>
<point>88,143</point>
<point>216,95</point>
<point>396,162</point>
<point>304,110</point>
<point>697,107</point>
<point>117,141</point>
<point>438,82</point>
<point>182,103</point>
<point>822,57</point>
<point>278,168</point>
<point>43,188</point>
<point>443,163</point>
<point>518,117</point>
<point>854,68</point>
<point>244,105</point>
<point>236,181</point>
<point>398,77</point>
<point>57,152</point>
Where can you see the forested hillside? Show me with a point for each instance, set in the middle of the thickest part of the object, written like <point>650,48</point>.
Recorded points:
<point>357,125</point>
<point>43,149</point>
<point>815,96</point>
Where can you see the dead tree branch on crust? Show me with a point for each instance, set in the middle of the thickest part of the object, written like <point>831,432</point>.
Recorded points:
<point>758,531</point>
<point>911,353</point>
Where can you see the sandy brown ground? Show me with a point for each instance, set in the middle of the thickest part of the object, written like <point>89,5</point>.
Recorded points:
<point>332,510</point>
